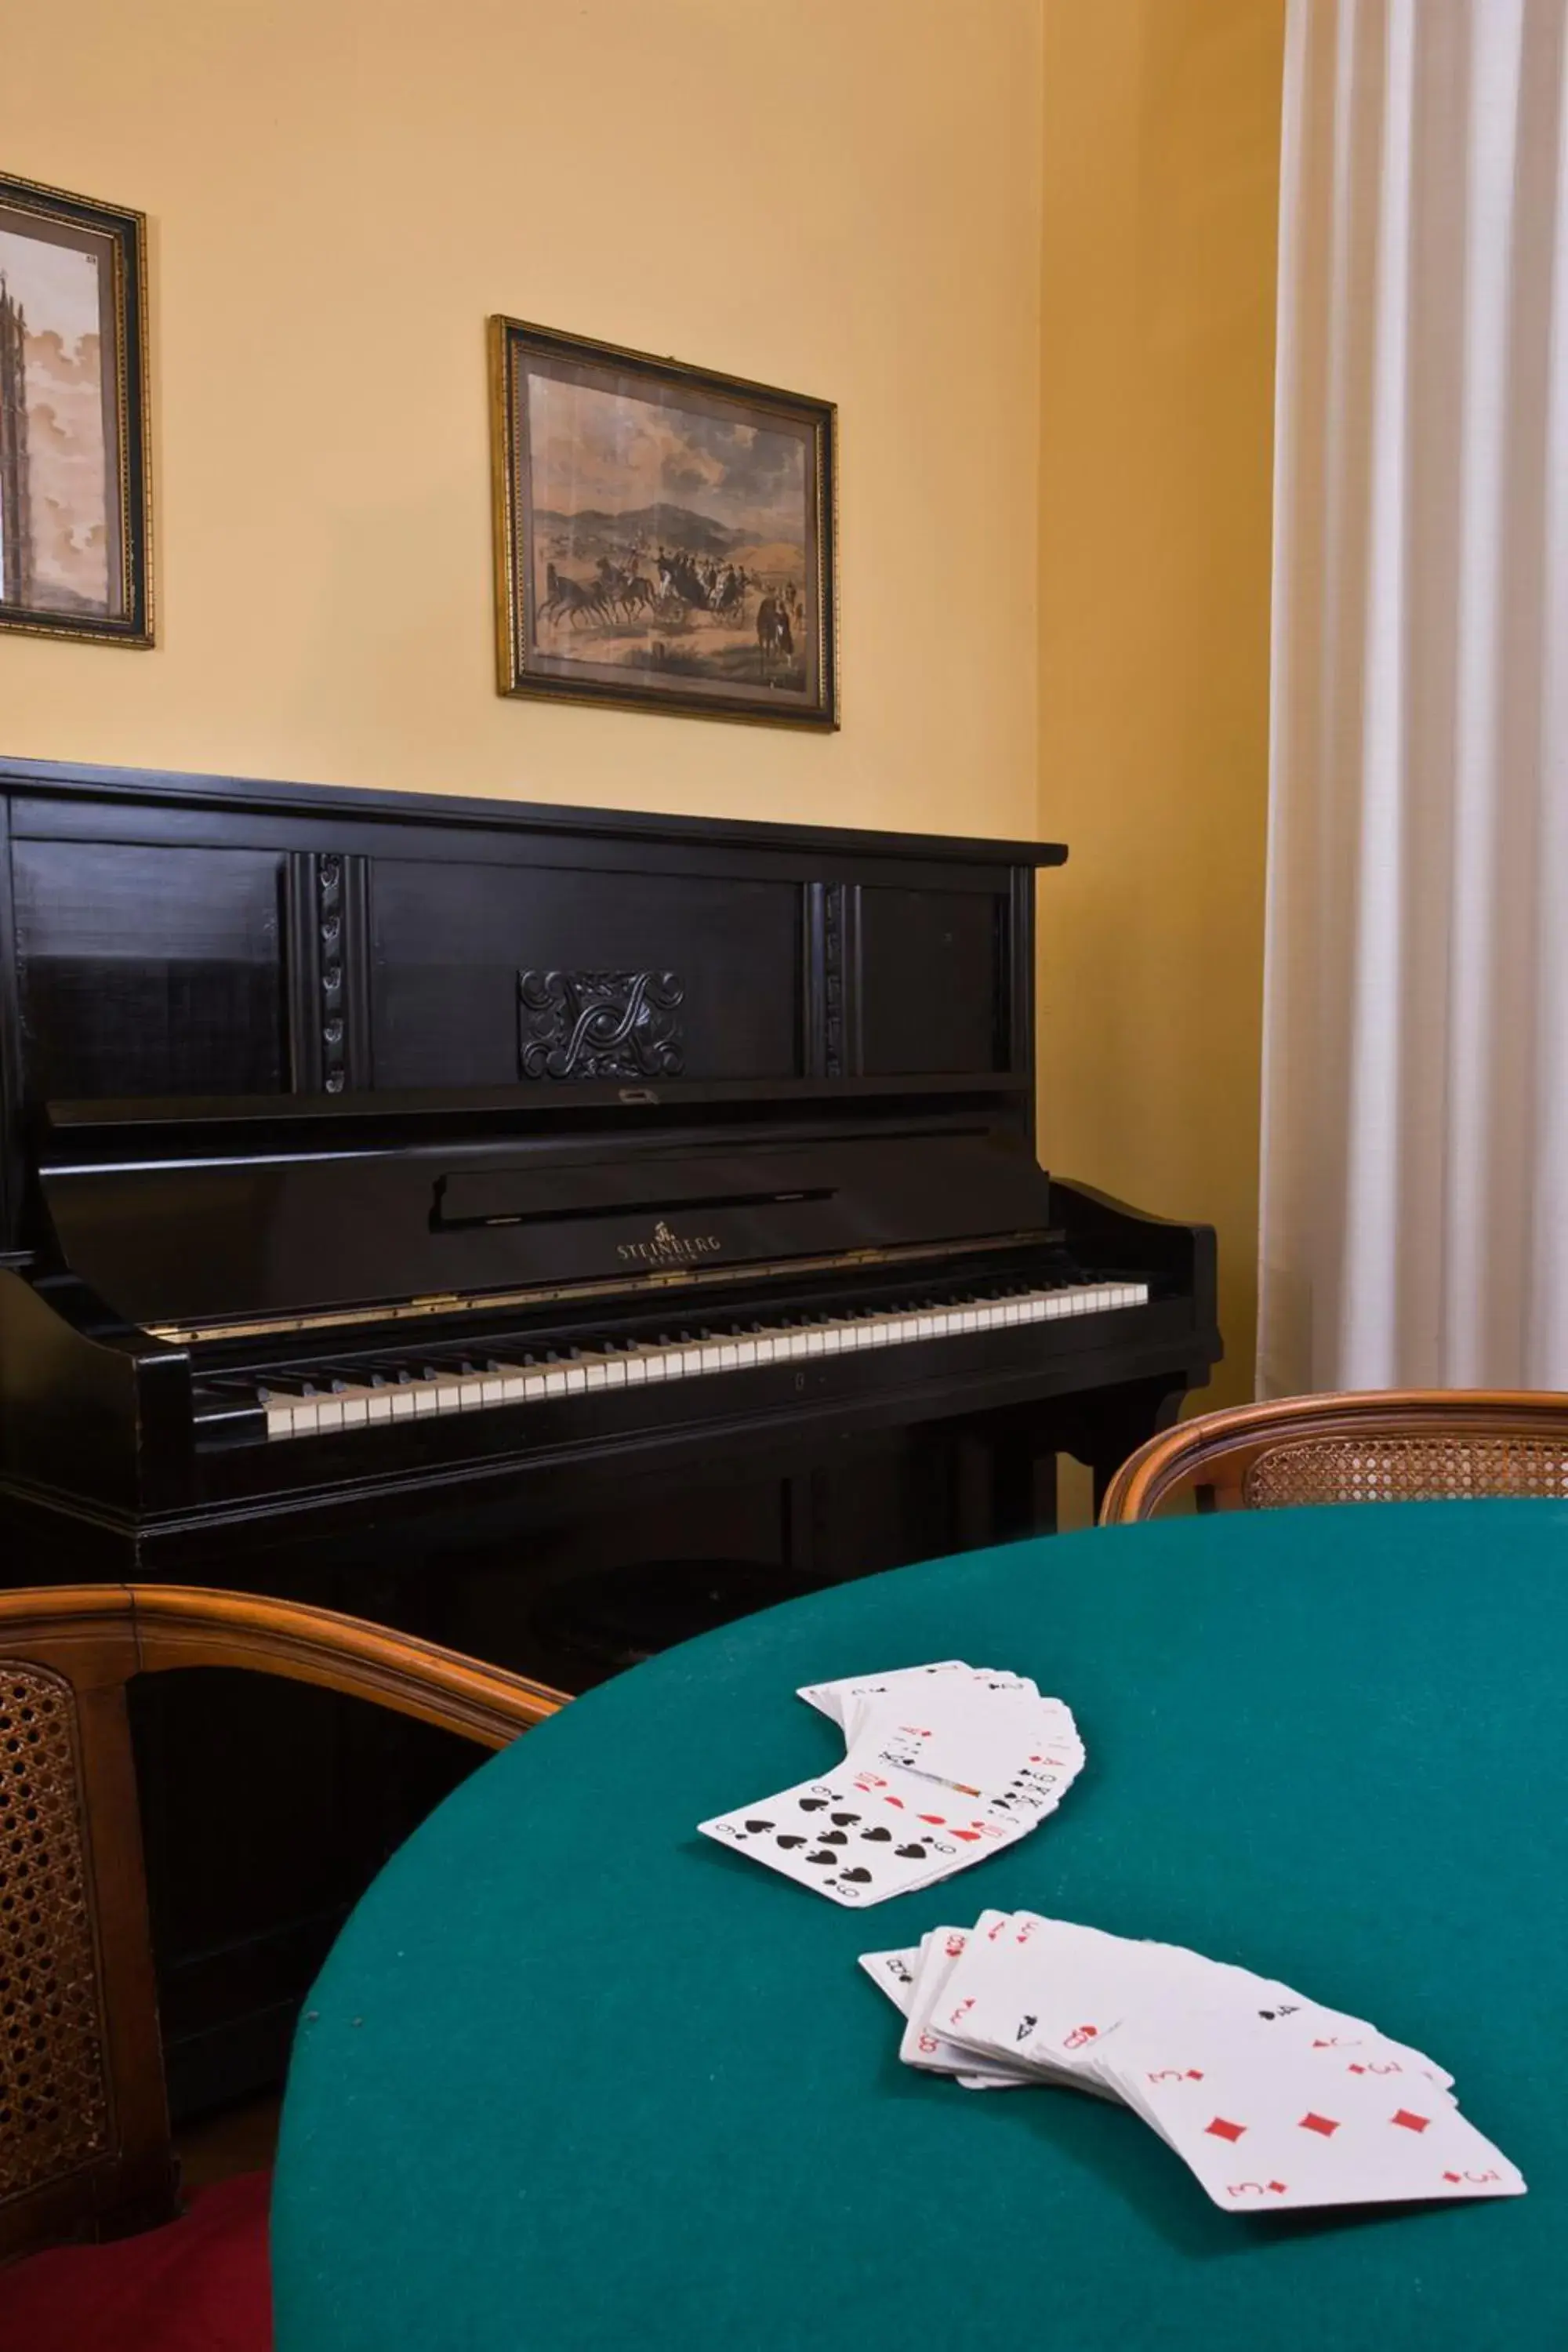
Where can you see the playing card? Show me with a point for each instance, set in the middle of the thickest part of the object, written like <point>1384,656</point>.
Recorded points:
<point>1045,1993</point>
<point>921,2045</point>
<point>906,1802</point>
<point>832,1698</point>
<point>946,1763</point>
<point>859,1838</point>
<point>892,1973</point>
<point>1307,2024</point>
<point>1273,2100</point>
<point>1010,1748</point>
<point>1266,2126</point>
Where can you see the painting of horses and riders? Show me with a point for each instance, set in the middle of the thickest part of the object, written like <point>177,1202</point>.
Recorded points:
<point>665,534</point>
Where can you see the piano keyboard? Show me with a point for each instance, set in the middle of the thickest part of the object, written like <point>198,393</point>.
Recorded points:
<point>322,1399</point>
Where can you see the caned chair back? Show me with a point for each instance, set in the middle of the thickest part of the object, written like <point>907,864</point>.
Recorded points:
<point>1377,1446</point>
<point>84,2127</point>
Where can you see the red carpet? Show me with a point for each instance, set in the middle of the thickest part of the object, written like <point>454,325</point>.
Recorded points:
<point>199,2285</point>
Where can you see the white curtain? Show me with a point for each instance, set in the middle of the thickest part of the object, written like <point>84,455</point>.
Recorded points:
<point>1415,1173</point>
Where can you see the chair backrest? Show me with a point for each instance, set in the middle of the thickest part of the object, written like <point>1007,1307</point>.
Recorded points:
<point>84,2127</point>
<point>1378,1446</point>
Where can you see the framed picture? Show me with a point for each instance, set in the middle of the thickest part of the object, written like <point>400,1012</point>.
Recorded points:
<point>74,502</point>
<point>664,536</point>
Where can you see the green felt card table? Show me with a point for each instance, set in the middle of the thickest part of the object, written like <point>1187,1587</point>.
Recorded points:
<point>575,2077</point>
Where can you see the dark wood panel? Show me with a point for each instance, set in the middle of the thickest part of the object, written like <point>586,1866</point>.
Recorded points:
<point>449,946</point>
<point>930,972</point>
<point>345,823</point>
<point>63,796</point>
<point>147,970</point>
<point>13,1161</point>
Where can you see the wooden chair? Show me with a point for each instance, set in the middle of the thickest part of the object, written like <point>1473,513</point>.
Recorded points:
<point>1395,1445</point>
<point>84,2128</point>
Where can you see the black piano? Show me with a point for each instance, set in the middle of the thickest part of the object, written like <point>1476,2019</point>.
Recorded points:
<point>545,1229</point>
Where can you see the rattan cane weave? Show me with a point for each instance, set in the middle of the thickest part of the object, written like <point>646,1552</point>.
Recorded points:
<point>84,2120</point>
<point>54,2094</point>
<point>1404,1470</point>
<point>1373,1445</point>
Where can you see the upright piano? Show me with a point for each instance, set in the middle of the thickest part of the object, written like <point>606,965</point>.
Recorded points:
<point>509,1221</point>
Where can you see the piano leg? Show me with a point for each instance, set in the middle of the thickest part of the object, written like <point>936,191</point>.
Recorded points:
<point>1107,1428</point>
<point>803,1503</point>
<point>1006,1483</point>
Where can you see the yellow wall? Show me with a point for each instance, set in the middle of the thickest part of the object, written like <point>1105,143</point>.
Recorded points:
<point>1161,146</point>
<point>840,197</point>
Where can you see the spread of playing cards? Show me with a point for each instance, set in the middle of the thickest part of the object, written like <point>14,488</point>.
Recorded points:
<point>1270,2099</point>
<point>945,1764</point>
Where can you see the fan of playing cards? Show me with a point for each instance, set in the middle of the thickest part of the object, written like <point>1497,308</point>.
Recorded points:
<point>945,1764</point>
<point>1272,2100</point>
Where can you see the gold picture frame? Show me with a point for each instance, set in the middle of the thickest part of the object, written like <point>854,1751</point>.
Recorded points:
<point>75,526</point>
<point>663,534</point>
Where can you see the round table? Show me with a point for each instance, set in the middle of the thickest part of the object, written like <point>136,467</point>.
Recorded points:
<point>576,2077</point>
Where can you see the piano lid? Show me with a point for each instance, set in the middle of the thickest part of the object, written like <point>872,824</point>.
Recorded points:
<point>183,1239</point>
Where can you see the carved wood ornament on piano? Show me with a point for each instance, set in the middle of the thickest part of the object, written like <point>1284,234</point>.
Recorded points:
<point>426,1206</point>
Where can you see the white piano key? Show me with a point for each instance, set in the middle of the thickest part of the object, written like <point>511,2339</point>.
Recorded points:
<point>353,1406</point>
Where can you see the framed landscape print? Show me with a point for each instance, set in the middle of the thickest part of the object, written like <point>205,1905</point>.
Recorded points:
<point>664,536</point>
<point>74,520</point>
